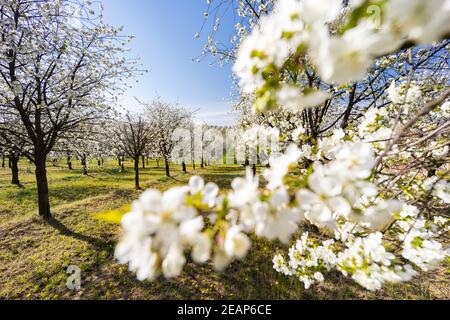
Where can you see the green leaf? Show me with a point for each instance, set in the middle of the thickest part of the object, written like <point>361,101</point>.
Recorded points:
<point>417,242</point>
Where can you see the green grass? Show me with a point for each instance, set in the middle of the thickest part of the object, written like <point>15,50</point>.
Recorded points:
<point>34,255</point>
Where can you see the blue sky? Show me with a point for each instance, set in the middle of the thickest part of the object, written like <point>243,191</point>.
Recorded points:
<point>164,40</point>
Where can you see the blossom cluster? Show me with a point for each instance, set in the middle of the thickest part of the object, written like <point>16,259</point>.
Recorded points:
<point>370,264</point>
<point>440,188</point>
<point>307,260</point>
<point>419,237</point>
<point>162,226</point>
<point>340,190</point>
<point>366,259</point>
<point>341,42</point>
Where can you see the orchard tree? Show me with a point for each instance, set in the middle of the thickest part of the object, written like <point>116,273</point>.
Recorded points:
<point>88,141</point>
<point>112,142</point>
<point>133,134</point>
<point>12,144</point>
<point>204,141</point>
<point>3,153</point>
<point>13,156</point>
<point>164,118</point>
<point>153,151</point>
<point>192,143</point>
<point>59,67</point>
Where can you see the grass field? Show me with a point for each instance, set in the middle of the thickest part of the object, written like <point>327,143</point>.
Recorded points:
<point>34,255</point>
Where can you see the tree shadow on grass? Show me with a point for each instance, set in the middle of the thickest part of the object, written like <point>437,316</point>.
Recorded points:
<point>74,193</point>
<point>171,178</point>
<point>175,178</point>
<point>21,193</point>
<point>223,181</point>
<point>64,230</point>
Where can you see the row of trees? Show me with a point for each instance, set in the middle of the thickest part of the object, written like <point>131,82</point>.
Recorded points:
<point>137,136</point>
<point>163,131</point>
<point>150,133</point>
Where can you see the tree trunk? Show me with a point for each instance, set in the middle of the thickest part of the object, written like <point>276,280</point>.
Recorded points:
<point>184,167</point>
<point>84,164</point>
<point>15,170</point>
<point>254,169</point>
<point>143,162</point>
<point>42,188</point>
<point>9,163</point>
<point>3,161</point>
<point>193,165</point>
<point>166,162</point>
<point>120,162</point>
<point>136,173</point>
<point>157,162</point>
<point>69,162</point>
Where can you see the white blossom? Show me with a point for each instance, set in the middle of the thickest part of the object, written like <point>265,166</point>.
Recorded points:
<point>279,166</point>
<point>236,243</point>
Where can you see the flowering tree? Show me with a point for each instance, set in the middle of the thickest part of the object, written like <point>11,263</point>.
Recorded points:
<point>13,157</point>
<point>192,143</point>
<point>152,151</point>
<point>164,118</point>
<point>86,142</point>
<point>3,153</point>
<point>203,138</point>
<point>13,160</point>
<point>12,145</point>
<point>377,193</point>
<point>133,134</point>
<point>113,146</point>
<point>60,64</point>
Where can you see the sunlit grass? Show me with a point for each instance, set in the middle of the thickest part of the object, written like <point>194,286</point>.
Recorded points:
<point>34,255</point>
<point>67,186</point>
